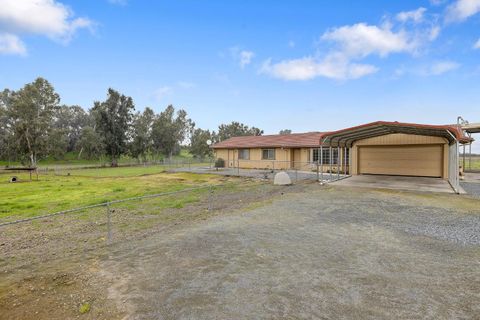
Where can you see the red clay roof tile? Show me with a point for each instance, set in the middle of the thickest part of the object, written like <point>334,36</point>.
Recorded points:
<point>294,140</point>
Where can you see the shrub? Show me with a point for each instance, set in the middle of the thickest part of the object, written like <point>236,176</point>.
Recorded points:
<point>219,163</point>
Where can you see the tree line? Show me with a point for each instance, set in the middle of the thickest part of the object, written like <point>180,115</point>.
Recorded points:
<point>34,126</point>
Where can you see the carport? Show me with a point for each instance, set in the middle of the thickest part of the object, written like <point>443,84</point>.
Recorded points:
<point>401,149</point>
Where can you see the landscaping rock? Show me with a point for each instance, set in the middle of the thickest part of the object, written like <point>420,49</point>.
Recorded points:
<point>282,179</point>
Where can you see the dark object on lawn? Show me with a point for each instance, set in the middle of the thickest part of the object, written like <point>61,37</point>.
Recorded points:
<point>219,163</point>
<point>30,170</point>
<point>13,179</point>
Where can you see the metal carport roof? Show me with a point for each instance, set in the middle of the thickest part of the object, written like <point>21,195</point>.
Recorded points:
<point>346,137</point>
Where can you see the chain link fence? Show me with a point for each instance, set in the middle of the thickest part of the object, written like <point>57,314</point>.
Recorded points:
<point>94,228</point>
<point>266,169</point>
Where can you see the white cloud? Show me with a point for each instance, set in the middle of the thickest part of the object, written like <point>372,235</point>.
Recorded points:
<point>307,68</point>
<point>415,16</point>
<point>242,57</point>
<point>477,44</point>
<point>461,10</point>
<point>246,58</point>
<point>42,17</point>
<point>350,44</point>
<point>162,92</point>
<point>435,69</point>
<point>437,2</point>
<point>11,44</point>
<point>442,67</point>
<point>361,40</point>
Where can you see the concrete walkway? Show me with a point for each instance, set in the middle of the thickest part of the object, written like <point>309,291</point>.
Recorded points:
<point>398,183</point>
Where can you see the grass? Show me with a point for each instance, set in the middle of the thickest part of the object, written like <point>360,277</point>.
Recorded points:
<point>84,308</point>
<point>90,186</point>
<point>71,159</point>
<point>475,163</point>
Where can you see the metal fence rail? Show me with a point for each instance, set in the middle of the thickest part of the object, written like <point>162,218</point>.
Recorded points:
<point>67,169</point>
<point>107,204</point>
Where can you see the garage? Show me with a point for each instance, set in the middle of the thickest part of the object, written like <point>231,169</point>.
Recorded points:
<point>401,149</point>
<point>402,160</point>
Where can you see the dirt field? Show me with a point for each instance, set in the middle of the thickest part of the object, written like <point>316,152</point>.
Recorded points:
<point>300,252</point>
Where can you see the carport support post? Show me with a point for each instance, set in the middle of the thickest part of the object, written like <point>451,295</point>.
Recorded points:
<point>339,162</point>
<point>331,160</point>
<point>321,161</point>
<point>469,156</point>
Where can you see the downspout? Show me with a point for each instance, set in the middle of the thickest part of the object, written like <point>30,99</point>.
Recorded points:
<point>456,184</point>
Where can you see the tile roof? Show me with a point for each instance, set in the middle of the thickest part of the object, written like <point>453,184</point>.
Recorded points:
<point>312,139</point>
<point>294,140</point>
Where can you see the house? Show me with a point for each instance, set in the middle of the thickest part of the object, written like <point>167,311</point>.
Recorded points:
<point>378,148</point>
<point>292,151</point>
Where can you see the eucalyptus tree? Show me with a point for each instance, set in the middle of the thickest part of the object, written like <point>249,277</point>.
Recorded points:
<point>113,121</point>
<point>236,129</point>
<point>170,130</point>
<point>30,113</point>
<point>200,141</point>
<point>141,144</point>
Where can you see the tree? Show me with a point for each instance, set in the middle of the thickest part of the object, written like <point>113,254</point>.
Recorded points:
<point>71,120</point>
<point>169,130</point>
<point>113,122</point>
<point>199,146</point>
<point>30,111</point>
<point>90,144</point>
<point>5,132</point>
<point>236,129</point>
<point>142,134</point>
<point>285,131</point>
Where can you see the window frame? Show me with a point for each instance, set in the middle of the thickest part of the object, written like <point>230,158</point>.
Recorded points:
<point>240,152</point>
<point>268,150</point>
<point>325,159</point>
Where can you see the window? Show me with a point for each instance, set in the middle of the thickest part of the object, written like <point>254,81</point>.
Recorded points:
<point>244,154</point>
<point>315,155</point>
<point>268,154</point>
<point>325,158</point>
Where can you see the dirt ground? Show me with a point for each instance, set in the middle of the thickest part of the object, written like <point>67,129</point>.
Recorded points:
<point>304,252</point>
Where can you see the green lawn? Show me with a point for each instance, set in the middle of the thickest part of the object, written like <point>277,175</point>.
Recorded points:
<point>71,159</point>
<point>89,186</point>
<point>475,163</point>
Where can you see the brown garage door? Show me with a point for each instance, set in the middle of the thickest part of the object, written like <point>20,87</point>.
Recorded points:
<point>418,160</point>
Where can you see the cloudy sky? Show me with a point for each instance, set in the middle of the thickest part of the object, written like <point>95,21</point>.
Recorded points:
<point>303,65</point>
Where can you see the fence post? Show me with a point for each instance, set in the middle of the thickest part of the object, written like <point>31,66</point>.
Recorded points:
<point>109,227</point>
<point>210,198</point>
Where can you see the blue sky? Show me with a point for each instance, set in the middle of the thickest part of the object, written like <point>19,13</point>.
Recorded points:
<point>302,65</point>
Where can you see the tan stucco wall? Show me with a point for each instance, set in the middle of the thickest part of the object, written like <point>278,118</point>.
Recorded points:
<point>400,139</point>
<point>284,158</point>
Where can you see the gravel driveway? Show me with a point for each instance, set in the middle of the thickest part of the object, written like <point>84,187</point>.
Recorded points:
<point>328,253</point>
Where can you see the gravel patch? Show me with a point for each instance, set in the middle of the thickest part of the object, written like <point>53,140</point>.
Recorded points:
<point>324,253</point>
<point>472,189</point>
